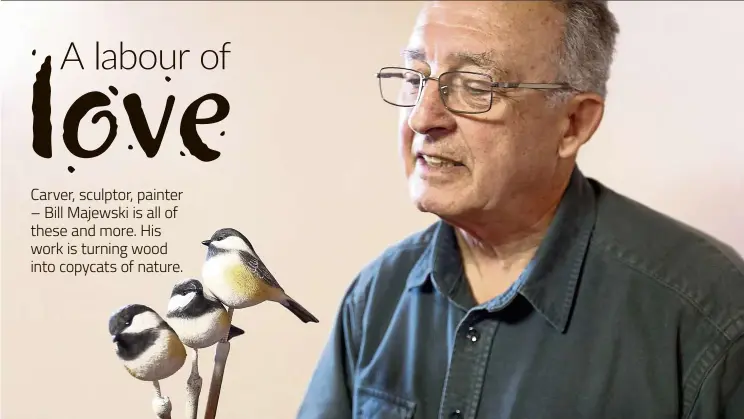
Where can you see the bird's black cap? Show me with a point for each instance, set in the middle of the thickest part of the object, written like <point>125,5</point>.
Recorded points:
<point>224,233</point>
<point>122,318</point>
<point>186,286</point>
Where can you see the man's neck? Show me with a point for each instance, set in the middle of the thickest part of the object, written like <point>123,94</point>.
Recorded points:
<point>496,248</point>
<point>492,261</point>
<point>512,233</point>
<point>505,243</point>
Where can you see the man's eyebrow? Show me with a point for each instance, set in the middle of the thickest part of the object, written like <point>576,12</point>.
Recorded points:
<point>413,54</point>
<point>484,60</point>
<point>487,61</point>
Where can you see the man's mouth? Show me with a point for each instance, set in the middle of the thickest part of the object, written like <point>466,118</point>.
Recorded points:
<point>436,161</point>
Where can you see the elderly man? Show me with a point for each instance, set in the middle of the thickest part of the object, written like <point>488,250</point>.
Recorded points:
<point>540,293</point>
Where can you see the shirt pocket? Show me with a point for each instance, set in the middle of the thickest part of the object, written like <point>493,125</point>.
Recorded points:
<point>377,404</point>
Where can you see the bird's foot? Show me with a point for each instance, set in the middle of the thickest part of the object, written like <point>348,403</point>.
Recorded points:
<point>195,382</point>
<point>194,376</point>
<point>162,407</point>
<point>193,388</point>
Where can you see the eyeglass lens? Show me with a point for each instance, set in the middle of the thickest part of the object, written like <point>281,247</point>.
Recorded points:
<point>460,91</point>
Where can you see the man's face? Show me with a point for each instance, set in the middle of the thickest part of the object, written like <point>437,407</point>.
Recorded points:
<point>508,152</point>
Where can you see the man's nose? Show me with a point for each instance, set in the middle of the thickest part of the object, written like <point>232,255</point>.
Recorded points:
<point>430,113</point>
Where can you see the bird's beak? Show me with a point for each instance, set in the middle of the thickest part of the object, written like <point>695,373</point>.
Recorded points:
<point>206,242</point>
<point>116,338</point>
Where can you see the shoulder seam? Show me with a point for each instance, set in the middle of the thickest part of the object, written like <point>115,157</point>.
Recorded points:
<point>611,243</point>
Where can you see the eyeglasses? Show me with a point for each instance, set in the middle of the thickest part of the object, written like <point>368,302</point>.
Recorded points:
<point>461,91</point>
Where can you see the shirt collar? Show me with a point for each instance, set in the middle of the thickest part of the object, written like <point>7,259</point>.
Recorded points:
<point>551,279</point>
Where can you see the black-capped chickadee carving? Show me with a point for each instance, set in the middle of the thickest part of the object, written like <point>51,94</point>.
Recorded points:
<point>235,274</point>
<point>200,321</point>
<point>198,318</point>
<point>147,346</point>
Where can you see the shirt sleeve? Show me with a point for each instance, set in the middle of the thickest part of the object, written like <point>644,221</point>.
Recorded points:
<point>329,394</point>
<point>722,393</point>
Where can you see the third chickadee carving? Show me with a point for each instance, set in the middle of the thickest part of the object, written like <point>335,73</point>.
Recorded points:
<point>147,346</point>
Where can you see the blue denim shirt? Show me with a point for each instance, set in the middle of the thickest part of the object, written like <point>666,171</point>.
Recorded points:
<point>622,313</point>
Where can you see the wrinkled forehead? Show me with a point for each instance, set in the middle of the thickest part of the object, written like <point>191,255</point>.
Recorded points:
<point>511,37</point>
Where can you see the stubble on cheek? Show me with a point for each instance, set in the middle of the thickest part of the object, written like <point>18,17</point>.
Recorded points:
<point>405,141</point>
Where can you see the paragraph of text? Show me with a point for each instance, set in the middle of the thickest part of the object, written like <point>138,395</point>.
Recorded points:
<point>84,233</point>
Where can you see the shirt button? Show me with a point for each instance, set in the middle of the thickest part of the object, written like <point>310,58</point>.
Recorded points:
<point>456,414</point>
<point>472,334</point>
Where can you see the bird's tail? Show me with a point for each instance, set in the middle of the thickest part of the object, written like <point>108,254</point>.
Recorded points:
<point>234,331</point>
<point>298,310</point>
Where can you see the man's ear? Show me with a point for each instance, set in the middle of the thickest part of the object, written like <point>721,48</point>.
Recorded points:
<point>583,114</point>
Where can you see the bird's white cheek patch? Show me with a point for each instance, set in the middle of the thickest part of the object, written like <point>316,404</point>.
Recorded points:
<point>233,243</point>
<point>180,301</point>
<point>142,322</point>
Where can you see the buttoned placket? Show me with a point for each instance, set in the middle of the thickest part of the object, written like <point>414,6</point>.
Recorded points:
<point>468,364</point>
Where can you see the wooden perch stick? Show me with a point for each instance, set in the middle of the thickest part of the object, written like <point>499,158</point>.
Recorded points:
<point>161,405</point>
<point>220,360</point>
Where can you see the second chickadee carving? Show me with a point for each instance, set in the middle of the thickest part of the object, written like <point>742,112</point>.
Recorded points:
<point>235,274</point>
<point>145,343</point>
<point>197,317</point>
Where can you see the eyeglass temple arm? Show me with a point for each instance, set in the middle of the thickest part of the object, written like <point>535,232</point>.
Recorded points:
<point>531,85</point>
<point>502,84</point>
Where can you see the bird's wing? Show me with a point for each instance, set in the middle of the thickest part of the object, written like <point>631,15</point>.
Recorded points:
<point>259,269</point>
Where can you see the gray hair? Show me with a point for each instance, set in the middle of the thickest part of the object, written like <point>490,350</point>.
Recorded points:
<point>588,44</point>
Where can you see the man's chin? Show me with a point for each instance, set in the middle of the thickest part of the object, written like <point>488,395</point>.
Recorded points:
<point>435,202</point>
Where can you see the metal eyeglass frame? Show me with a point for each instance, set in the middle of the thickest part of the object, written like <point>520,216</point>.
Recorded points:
<point>494,84</point>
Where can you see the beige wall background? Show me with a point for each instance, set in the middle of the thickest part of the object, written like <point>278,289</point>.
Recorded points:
<point>309,172</point>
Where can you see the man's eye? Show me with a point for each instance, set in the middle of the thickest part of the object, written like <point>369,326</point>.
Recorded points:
<point>477,88</point>
<point>413,81</point>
